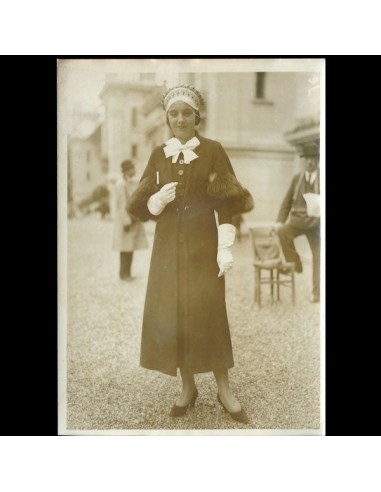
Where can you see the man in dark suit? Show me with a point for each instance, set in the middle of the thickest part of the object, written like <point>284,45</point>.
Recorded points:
<point>300,220</point>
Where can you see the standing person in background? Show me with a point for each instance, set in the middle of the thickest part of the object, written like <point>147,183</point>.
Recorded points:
<point>300,220</point>
<point>129,234</point>
<point>185,324</point>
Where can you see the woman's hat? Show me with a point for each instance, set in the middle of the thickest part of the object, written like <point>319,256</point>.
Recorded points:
<point>126,165</point>
<point>185,93</point>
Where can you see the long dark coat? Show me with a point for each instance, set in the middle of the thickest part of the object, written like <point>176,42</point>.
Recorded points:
<point>185,322</point>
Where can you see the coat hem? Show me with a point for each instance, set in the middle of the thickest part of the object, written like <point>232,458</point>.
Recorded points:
<point>193,371</point>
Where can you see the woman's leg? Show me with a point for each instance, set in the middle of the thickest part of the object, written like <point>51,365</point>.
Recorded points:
<point>228,399</point>
<point>188,389</point>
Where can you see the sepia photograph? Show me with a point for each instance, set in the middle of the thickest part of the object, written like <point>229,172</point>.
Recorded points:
<point>191,246</point>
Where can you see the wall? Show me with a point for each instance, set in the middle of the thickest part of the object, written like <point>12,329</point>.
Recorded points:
<point>267,176</point>
<point>85,166</point>
<point>242,120</point>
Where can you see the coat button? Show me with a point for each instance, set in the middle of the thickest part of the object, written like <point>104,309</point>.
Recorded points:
<point>181,161</point>
<point>180,173</point>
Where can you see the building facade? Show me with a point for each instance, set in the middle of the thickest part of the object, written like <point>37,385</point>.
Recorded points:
<point>259,118</point>
<point>87,169</point>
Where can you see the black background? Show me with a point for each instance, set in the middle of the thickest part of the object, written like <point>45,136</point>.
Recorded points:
<point>29,327</point>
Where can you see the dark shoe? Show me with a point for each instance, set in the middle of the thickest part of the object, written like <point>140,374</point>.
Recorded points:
<point>240,416</point>
<point>298,267</point>
<point>177,411</point>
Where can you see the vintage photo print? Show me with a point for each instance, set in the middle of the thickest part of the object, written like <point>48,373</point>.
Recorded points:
<point>191,246</point>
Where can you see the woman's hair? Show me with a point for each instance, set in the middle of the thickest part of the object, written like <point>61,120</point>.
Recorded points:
<point>197,119</point>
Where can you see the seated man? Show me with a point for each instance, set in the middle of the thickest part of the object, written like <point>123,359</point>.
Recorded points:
<point>294,208</point>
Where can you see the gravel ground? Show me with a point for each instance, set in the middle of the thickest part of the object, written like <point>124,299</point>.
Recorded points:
<point>276,349</point>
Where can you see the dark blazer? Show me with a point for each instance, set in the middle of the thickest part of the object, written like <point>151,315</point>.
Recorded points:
<point>185,321</point>
<point>294,207</point>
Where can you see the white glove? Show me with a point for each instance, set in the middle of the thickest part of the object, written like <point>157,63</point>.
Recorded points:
<point>226,237</point>
<point>157,202</point>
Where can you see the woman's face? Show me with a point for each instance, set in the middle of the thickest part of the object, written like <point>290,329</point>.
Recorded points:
<point>182,120</point>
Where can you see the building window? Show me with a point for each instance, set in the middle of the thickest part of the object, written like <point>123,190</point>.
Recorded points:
<point>134,150</point>
<point>260,85</point>
<point>134,117</point>
<point>88,176</point>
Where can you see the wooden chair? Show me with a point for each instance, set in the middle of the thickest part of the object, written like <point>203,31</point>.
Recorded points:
<point>268,258</point>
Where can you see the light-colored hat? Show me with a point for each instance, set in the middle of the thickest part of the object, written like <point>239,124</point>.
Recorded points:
<point>185,93</point>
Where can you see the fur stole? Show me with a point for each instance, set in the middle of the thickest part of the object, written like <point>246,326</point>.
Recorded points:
<point>137,203</point>
<point>226,188</point>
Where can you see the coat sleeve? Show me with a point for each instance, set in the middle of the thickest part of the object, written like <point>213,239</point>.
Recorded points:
<point>137,203</point>
<point>231,197</point>
<point>121,204</point>
<point>286,205</point>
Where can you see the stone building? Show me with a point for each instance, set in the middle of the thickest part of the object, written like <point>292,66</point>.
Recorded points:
<point>258,117</point>
<point>86,167</point>
<point>306,126</point>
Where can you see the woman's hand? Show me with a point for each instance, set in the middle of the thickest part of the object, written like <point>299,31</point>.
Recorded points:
<point>224,260</point>
<point>167,193</point>
<point>157,202</point>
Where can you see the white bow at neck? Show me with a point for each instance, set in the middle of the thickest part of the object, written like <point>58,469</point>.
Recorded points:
<point>174,147</point>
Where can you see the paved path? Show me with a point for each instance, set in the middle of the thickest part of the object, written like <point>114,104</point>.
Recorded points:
<point>276,349</point>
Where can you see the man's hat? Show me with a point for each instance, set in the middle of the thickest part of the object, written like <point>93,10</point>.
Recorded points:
<point>309,149</point>
<point>126,165</point>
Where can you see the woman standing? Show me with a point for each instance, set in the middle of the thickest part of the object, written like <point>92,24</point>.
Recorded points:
<point>129,233</point>
<point>185,324</point>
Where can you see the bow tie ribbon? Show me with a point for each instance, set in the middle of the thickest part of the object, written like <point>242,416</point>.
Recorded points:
<point>174,147</point>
